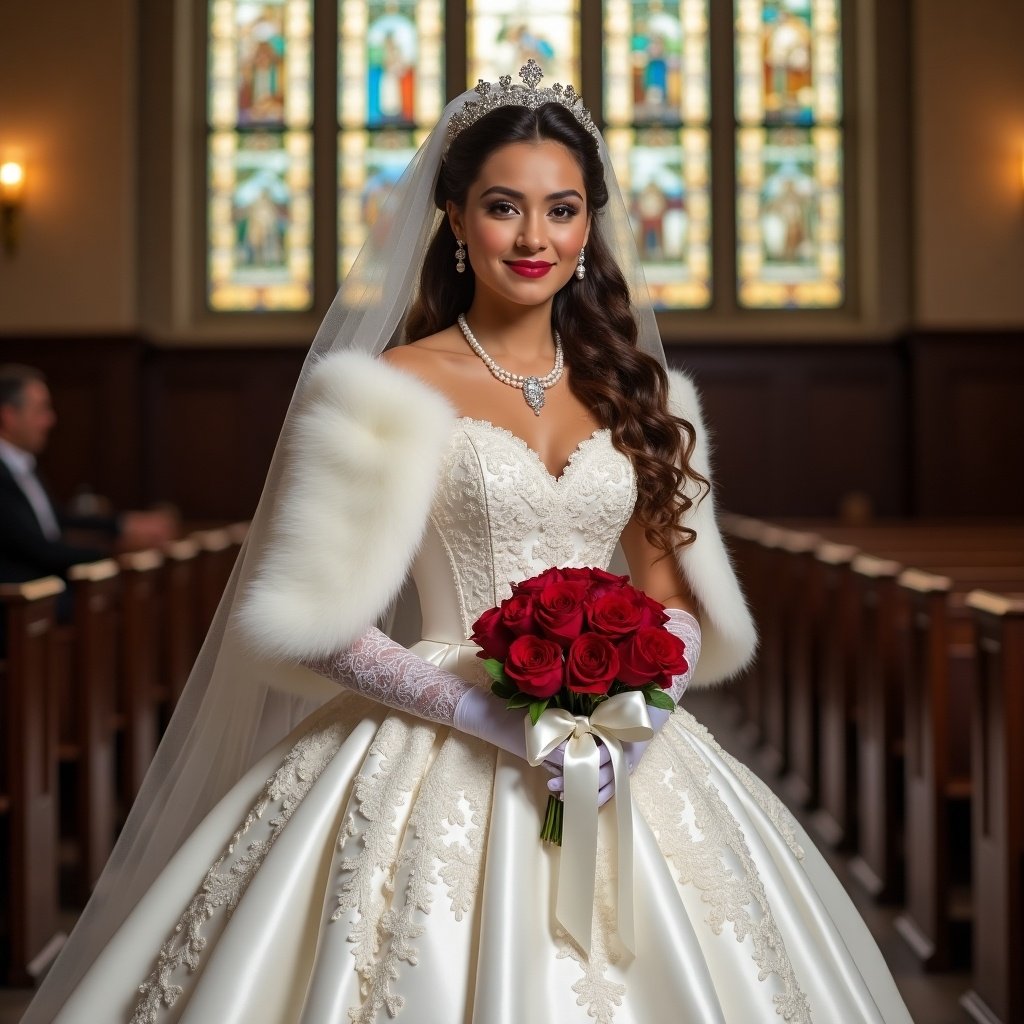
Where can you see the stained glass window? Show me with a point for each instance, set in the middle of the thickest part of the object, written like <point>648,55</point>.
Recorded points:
<point>656,106</point>
<point>259,152</point>
<point>390,92</point>
<point>502,35</point>
<point>789,148</point>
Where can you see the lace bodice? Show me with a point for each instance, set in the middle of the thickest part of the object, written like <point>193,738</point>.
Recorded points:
<point>499,516</point>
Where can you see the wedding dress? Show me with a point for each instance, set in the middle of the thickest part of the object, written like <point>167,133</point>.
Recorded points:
<point>374,865</point>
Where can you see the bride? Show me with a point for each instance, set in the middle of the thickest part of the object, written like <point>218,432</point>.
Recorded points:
<point>341,828</point>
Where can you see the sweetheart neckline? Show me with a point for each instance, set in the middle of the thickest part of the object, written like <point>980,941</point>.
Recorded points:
<point>580,446</point>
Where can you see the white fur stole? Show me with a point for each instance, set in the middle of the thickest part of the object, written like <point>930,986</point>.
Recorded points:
<point>728,634</point>
<point>359,481</point>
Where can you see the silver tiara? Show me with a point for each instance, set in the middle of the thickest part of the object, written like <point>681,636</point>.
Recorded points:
<point>505,94</point>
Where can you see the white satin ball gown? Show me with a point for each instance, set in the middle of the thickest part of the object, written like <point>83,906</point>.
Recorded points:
<point>377,866</point>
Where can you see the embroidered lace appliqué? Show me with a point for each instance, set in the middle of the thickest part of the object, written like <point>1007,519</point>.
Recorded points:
<point>369,837</point>
<point>778,813</point>
<point>503,517</point>
<point>595,990</point>
<point>702,854</point>
<point>386,672</point>
<point>446,838</point>
<point>226,881</point>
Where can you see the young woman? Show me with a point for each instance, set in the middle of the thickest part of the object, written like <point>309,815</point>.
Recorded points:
<point>382,859</point>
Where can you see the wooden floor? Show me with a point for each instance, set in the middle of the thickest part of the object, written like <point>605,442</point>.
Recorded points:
<point>932,999</point>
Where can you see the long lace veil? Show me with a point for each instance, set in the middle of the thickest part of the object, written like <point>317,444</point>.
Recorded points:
<point>235,707</point>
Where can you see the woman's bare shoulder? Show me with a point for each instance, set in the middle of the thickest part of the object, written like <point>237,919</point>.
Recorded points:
<point>431,358</point>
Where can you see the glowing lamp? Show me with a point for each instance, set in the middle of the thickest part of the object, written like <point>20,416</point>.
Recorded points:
<point>12,186</point>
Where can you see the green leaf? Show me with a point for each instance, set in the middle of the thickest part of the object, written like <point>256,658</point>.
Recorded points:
<point>520,700</point>
<point>495,669</point>
<point>537,708</point>
<point>660,699</point>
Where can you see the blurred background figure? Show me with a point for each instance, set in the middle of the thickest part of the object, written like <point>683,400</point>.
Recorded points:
<point>34,537</point>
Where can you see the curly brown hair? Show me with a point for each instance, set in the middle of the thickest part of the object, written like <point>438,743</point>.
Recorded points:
<point>626,389</point>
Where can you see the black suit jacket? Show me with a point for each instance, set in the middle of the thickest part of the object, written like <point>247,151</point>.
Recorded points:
<point>25,551</point>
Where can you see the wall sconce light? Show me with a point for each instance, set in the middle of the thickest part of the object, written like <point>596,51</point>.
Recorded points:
<point>12,186</point>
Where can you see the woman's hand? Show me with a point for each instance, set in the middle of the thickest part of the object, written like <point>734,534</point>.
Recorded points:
<point>633,751</point>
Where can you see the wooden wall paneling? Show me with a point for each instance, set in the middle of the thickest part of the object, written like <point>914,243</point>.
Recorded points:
<point>968,421</point>
<point>796,429</point>
<point>213,418</point>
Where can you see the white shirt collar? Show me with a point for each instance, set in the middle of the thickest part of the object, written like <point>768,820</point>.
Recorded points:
<point>19,461</point>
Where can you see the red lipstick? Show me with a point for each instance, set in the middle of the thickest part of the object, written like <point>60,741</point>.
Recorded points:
<point>528,268</point>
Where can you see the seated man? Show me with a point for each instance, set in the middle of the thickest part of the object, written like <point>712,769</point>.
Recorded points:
<point>31,531</point>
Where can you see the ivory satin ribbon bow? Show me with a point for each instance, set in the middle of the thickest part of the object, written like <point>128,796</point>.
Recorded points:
<point>622,717</point>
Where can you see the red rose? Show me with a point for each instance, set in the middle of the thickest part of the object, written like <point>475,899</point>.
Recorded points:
<point>653,612</point>
<point>559,611</point>
<point>616,614</point>
<point>491,635</point>
<point>602,582</point>
<point>651,655</point>
<point>591,664</point>
<point>535,584</point>
<point>517,613</point>
<point>535,666</point>
<point>573,575</point>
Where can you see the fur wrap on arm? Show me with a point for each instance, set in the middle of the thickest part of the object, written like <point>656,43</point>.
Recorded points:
<point>728,634</point>
<point>359,480</point>
<point>362,467</point>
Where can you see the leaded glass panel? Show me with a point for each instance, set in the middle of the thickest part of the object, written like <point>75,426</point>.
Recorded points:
<point>656,105</point>
<point>664,174</point>
<point>391,88</point>
<point>259,155</point>
<point>790,217</point>
<point>260,221</point>
<point>655,62</point>
<point>789,145</point>
<point>502,35</point>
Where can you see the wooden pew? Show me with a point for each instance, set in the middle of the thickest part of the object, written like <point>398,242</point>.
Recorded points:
<point>88,722</point>
<point>140,694</point>
<point>882,658</point>
<point>745,535</point>
<point>835,819</point>
<point>218,550</point>
<point>997,812</point>
<point>938,685</point>
<point>28,781</point>
<point>180,636</point>
<point>879,694</point>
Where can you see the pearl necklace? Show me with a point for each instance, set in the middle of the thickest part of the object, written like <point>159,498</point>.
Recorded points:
<point>533,388</point>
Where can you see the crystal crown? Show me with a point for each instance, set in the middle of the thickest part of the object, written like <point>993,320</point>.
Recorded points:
<point>505,94</point>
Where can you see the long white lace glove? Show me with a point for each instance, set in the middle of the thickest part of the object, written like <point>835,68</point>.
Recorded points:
<point>485,716</point>
<point>383,670</point>
<point>683,625</point>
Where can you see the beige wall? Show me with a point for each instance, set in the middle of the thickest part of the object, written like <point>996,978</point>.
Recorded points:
<point>67,103</point>
<point>968,153</point>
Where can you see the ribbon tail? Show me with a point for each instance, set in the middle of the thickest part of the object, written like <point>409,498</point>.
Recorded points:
<point>574,906</point>
<point>624,826</point>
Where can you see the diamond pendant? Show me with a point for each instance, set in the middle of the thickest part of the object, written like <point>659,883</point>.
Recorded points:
<point>533,392</point>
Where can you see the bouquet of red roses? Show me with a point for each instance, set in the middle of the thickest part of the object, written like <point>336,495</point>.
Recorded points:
<point>572,639</point>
